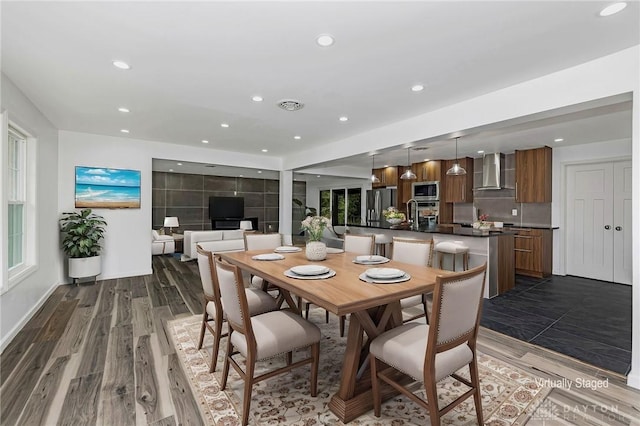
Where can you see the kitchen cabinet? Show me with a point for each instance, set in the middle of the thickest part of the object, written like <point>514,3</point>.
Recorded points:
<point>457,189</point>
<point>533,175</point>
<point>427,171</point>
<point>533,249</point>
<point>388,177</point>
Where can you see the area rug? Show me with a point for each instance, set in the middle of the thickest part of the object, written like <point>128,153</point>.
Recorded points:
<point>509,395</point>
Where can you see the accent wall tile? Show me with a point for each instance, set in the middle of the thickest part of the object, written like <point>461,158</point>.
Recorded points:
<point>271,200</point>
<point>273,186</point>
<point>158,180</point>
<point>192,182</point>
<point>158,198</point>
<point>157,217</point>
<point>251,185</point>
<point>253,199</point>
<point>173,181</point>
<point>255,212</point>
<point>220,183</point>
<point>299,188</point>
<point>187,215</point>
<point>184,198</point>
<point>271,214</point>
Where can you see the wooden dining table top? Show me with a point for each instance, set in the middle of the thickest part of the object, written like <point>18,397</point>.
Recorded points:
<point>343,293</point>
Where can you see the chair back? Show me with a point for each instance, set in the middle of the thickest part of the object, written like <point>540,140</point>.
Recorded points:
<point>232,293</point>
<point>415,252</point>
<point>262,241</point>
<point>207,276</point>
<point>457,305</point>
<point>359,244</point>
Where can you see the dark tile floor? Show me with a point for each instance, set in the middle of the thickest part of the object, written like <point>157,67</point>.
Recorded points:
<point>586,319</point>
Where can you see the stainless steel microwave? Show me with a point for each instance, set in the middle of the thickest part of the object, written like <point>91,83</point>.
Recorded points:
<point>426,191</point>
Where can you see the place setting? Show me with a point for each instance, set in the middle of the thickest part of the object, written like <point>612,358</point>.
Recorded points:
<point>287,249</point>
<point>268,256</point>
<point>370,259</point>
<point>384,276</point>
<point>310,272</point>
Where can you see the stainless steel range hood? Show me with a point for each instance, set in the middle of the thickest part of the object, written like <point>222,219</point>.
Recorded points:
<point>492,171</point>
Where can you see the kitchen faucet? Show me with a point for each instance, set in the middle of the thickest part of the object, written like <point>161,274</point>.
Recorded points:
<point>411,215</point>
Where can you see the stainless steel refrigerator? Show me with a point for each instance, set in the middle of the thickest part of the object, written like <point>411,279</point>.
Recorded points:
<point>377,201</point>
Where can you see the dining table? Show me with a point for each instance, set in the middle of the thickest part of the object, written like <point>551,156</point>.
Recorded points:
<point>373,309</point>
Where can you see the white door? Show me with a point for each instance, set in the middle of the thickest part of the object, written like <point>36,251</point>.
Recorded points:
<point>599,221</point>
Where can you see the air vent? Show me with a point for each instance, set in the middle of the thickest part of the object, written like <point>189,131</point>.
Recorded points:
<point>290,105</point>
<point>210,165</point>
<point>421,148</point>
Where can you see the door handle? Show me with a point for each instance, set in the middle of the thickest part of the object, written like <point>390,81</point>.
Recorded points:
<point>607,227</point>
<point>618,228</point>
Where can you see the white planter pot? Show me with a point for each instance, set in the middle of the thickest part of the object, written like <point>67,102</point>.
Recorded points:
<point>316,250</point>
<point>84,267</point>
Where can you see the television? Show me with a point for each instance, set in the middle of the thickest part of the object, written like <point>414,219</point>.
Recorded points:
<point>103,187</point>
<point>226,207</point>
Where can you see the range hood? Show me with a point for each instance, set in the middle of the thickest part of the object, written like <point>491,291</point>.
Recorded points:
<point>492,171</point>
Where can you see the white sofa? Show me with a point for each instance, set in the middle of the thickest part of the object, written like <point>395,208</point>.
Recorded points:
<point>214,241</point>
<point>162,244</point>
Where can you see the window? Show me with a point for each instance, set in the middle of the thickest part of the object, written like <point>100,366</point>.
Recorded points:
<point>17,198</point>
<point>343,206</point>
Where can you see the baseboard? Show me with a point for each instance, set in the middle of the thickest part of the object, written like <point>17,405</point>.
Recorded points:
<point>23,321</point>
<point>121,275</point>
<point>633,379</point>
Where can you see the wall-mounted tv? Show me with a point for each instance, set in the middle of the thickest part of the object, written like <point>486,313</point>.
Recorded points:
<point>101,187</point>
<point>226,207</point>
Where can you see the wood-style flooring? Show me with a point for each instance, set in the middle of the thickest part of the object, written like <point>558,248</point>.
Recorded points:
<point>98,354</point>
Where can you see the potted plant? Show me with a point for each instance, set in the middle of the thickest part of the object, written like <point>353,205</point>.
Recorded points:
<point>83,233</point>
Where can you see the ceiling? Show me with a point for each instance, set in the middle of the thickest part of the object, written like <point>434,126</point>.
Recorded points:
<point>196,65</point>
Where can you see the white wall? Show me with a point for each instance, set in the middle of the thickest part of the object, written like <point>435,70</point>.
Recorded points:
<point>563,156</point>
<point>21,301</point>
<point>127,243</point>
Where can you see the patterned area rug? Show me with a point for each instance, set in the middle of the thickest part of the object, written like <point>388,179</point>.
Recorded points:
<point>509,395</point>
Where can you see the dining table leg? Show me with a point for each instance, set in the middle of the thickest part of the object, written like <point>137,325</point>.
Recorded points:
<point>354,397</point>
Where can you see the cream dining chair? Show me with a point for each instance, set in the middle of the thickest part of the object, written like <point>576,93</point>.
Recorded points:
<point>213,312</point>
<point>261,242</point>
<point>359,244</point>
<point>262,336</point>
<point>415,252</point>
<point>429,353</point>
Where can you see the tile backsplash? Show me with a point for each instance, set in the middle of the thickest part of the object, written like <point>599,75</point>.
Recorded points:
<point>498,203</point>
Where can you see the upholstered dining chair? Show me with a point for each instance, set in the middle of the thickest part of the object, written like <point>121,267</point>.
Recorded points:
<point>359,244</point>
<point>213,312</point>
<point>429,353</point>
<point>416,252</point>
<point>261,242</point>
<point>262,336</point>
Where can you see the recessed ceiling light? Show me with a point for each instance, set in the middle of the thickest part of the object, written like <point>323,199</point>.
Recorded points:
<point>325,40</point>
<point>265,150</point>
<point>297,137</point>
<point>257,98</point>
<point>417,88</point>
<point>259,171</point>
<point>344,118</point>
<point>123,109</point>
<point>122,65</point>
<point>205,141</point>
<point>170,170</point>
<point>179,164</point>
<point>558,139</point>
<point>225,125</point>
<point>481,152</point>
<point>386,165</point>
<point>240,175</point>
<point>124,130</point>
<point>318,176</point>
<point>613,8</point>
<point>427,159</point>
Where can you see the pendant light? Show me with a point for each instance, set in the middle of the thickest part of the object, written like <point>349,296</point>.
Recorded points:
<point>408,174</point>
<point>456,169</point>
<point>374,178</point>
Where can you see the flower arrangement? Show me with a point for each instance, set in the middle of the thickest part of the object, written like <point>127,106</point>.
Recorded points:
<point>314,225</point>
<point>393,213</point>
<point>482,222</point>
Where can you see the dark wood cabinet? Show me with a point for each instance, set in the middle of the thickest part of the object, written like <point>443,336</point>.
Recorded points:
<point>457,189</point>
<point>379,173</point>
<point>533,175</point>
<point>533,249</point>
<point>388,177</point>
<point>426,171</point>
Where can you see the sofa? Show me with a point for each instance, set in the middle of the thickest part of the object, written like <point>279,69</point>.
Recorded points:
<point>213,241</point>
<point>162,244</point>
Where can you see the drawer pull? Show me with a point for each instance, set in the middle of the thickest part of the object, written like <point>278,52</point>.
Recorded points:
<point>523,250</point>
<point>522,236</point>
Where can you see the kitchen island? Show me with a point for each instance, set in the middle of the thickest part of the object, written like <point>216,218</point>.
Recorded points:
<point>494,247</point>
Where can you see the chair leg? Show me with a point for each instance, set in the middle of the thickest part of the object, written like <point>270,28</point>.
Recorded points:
<point>216,343</point>
<point>426,310</point>
<point>432,401</point>
<point>289,358</point>
<point>375,386</point>
<point>306,310</point>
<point>225,369</point>
<point>342,320</point>
<point>475,381</point>
<point>204,326</point>
<point>248,387</point>
<point>326,316</point>
<point>315,356</point>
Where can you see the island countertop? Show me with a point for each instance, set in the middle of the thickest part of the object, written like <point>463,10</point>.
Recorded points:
<point>461,231</point>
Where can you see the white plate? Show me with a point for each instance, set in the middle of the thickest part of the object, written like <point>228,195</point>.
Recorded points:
<point>268,256</point>
<point>290,274</point>
<point>332,250</point>
<point>365,278</point>
<point>384,273</point>
<point>309,270</point>
<point>370,259</point>
<point>287,249</point>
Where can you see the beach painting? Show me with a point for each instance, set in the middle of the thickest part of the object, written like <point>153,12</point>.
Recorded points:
<point>99,187</point>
